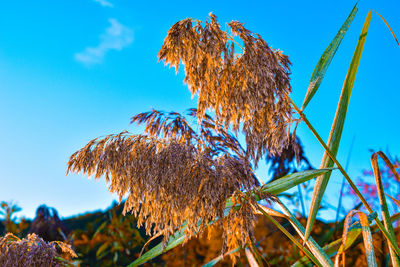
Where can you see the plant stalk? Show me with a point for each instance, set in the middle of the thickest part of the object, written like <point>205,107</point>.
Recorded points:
<point>353,186</point>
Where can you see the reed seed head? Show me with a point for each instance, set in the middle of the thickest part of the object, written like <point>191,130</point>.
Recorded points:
<point>174,176</point>
<point>247,90</point>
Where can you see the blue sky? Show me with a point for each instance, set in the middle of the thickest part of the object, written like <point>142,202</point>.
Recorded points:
<point>71,71</point>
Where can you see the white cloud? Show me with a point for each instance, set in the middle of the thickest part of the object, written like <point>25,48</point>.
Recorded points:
<point>104,3</point>
<point>116,37</point>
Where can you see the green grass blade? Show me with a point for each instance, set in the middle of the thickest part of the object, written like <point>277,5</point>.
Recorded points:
<point>313,246</point>
<point>353,237</point>
<point>220,257</point>
<point>291,180</point>
<point>382,199</point>
<point>337,127</point>
<point>175,240</point>
<point>291,237</point>
<point>276,187</point>
<point>287,182</point>
<point>326,58</point>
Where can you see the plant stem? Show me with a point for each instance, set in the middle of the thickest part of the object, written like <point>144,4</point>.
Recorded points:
<point>297,243</point>
<point>353,186</point>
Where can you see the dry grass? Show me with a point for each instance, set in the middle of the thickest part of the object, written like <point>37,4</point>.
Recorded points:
<point>174,175</point>
<point>33,251</point>
<point>247,90</point>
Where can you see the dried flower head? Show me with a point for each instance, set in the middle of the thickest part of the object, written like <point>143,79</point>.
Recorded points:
<point>33,251</point>
<point>248,90</point>
<point>174,176</point>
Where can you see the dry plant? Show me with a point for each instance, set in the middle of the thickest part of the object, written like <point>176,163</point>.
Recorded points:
<point>174,175</point>
<point>179,179</point>
<point>33,251</point>
<point>249,89</point>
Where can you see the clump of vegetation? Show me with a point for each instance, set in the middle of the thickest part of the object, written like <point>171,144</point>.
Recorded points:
<point>33,251</point>
<point>9,222</point>
<point>179,179</point>
<point>176,176</point>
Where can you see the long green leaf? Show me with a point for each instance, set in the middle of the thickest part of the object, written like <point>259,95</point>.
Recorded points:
<point>337,127</point>
<point>291,237</point>
<point>276,187</point>
<point>291,180</point>
<point>326,58</point>
<point>175,240</point>
<point>313,246</point>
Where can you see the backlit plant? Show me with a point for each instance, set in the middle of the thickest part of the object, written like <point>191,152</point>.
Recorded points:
<point>179,177</point>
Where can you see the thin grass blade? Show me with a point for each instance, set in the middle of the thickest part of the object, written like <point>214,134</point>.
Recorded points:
<point>326,58</point>
<point>174,241</point>
<point>384,207</point>
<point>220,257</point>
<point>367,237</point>
<point>337,127</point>
<point>390,29</point>
<point>294,240</point>
<point>394,200</point>
<point>353,238</point>
<point>313,246</point>
<point>271,212</point>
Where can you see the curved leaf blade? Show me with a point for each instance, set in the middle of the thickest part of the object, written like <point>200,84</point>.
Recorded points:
<point>353,237</point>
<point>384,207</point>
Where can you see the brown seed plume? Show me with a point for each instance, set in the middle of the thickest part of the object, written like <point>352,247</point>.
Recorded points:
<point>248,90</point>
<point>173,175</point>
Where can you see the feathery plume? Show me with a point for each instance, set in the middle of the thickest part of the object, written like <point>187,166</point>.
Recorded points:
<point>247,90</point>
<point>174,176</point>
